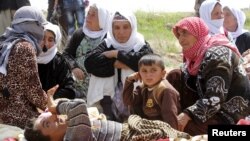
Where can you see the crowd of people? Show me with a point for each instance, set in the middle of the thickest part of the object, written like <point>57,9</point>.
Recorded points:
<point>106,63</point>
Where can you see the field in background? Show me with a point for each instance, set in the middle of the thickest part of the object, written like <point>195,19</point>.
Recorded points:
<point>157,30</point>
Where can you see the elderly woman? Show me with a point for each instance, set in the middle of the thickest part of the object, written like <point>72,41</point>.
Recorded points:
<point>211,12</point>
<point>112,61</point>
<point>84,39</point>
<point>52,66</point>
<point>20,88</point>
<point>213,85</point>
<point>234,21</point>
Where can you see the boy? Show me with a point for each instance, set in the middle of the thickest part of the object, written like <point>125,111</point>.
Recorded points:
<point>156,98</point>
<point>78,126</point>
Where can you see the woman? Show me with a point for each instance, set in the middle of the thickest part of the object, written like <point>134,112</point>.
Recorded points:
<point>234,21</point>
<point>211,12</point>
<point>112,61</point>
<point>21,92</point>
<point>213,85</point>
<point>52,66</point>
<point>83,40</point>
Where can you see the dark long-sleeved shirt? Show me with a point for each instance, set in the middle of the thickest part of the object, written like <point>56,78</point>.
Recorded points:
<point>243,42</point>
<point>13,4</point>
<point>57,71</point>
<point>97,64</point>
<point>71,47</point>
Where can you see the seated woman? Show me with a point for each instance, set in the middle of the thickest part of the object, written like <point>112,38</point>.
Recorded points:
<point>112,61</point>
<point>234,21</point>
<point>211,12</point>
<point>84,39</point>
<point>21,92</point>
<point>213,85</point>
<point>52,66</point>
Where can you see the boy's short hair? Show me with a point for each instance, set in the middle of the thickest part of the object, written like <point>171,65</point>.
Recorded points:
<point>151,59</point>
<point>31,134</point>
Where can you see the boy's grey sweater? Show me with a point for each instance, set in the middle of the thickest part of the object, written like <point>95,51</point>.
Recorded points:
<point>79,126</point>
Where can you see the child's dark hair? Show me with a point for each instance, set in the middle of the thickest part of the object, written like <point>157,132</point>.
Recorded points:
<point>151,59</point>
<point>31,134</point>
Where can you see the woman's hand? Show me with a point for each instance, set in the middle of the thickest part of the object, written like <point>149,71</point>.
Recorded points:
<point>111,53</point>
<point>78,74</point>
<point>51,105</point>
<point>182,121</point>
<point>120,65</point>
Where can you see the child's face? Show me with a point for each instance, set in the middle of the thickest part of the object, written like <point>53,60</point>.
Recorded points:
<point>151,75</point>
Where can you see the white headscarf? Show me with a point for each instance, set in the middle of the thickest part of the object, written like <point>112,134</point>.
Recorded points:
<point>103,16</point>
<point>215,26</point>
<point>241,18</point>
<point>136,40</point>
<point>46,57</point>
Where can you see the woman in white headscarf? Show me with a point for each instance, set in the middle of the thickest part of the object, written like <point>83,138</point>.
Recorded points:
<point>114,59</point>
<point>234,21</point>
<point>52,66</point>
<point>20,88</point>
<point>211,12</point>
<point>84,39</point>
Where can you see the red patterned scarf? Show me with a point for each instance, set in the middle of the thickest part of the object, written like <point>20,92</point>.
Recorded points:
<point>194,55</point>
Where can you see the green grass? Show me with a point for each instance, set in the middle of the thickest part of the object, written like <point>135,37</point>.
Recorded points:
<point>157,30</point>
<point>247,24</point>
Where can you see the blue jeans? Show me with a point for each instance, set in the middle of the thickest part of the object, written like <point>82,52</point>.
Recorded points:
<point>75,14</point>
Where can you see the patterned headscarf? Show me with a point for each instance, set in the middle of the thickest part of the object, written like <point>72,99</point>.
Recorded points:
<point>136,40</point>
<point>199,30</point>
<point>27,25</point>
